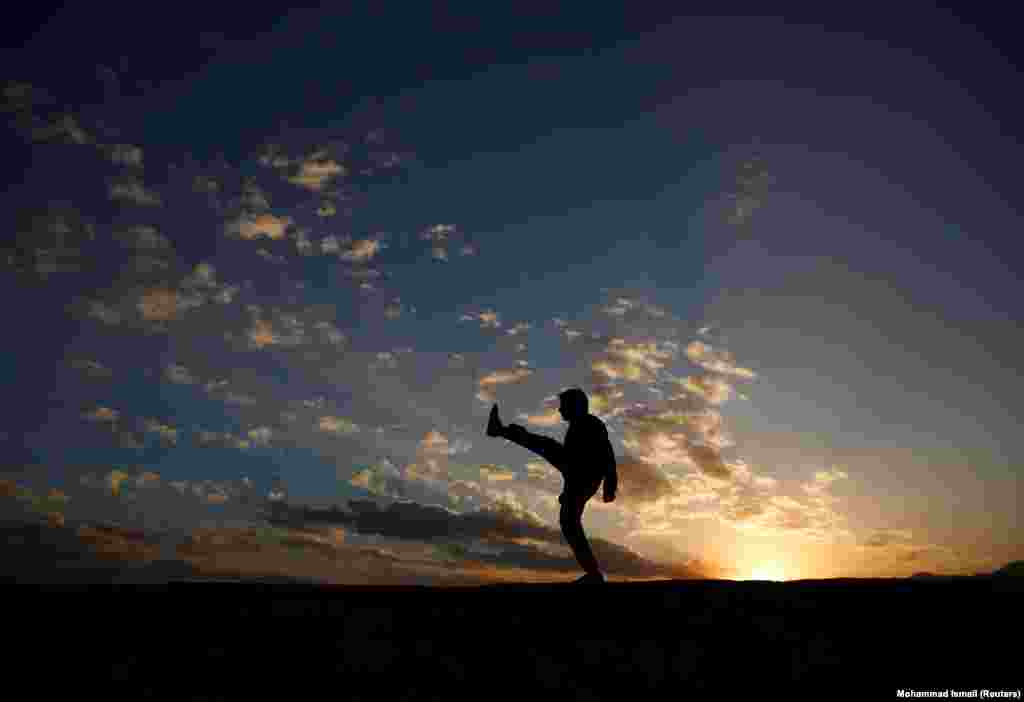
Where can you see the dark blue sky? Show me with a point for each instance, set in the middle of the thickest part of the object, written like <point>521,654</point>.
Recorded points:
<point>868,287</point>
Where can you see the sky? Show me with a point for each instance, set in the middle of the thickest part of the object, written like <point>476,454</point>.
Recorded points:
<point>268,274</point>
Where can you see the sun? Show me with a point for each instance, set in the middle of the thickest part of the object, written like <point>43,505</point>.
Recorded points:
<point>767,571</point>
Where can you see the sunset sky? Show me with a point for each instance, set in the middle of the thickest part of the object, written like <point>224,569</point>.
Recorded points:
<point>289,263</point>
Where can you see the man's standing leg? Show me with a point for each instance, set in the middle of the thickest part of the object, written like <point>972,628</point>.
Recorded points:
<point>570,518</point>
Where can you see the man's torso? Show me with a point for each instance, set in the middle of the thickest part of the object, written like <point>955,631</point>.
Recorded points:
<point>585,443</point>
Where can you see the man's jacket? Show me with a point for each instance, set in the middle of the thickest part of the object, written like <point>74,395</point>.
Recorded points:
<point>589,456</point>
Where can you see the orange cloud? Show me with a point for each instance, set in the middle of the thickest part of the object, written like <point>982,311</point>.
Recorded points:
<point>717,361</point>
<point>265,224</point>
<point>488,384</point>
<point>159,304</point>
<point>316,171</point>
<point>361,250</point>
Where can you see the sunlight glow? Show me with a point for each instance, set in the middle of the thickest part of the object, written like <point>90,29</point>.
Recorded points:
<point>767,571</point>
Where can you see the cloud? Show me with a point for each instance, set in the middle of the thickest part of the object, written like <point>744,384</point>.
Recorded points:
<point>123,154</point>
<point>205,184</point>
<point>488,319</point>
<point>261,435</point>
<point>879,538</point>
<point>636,361</point>
<point>488,384</point>
<point>168,434</point>
<point>248,226</point>
<point>460,445</point>
<point>709,460</point>
<point>431,458</point>
<point>620,308</point>
<point>252,199</point>
<point>550,417</point>
<point>313,171</point>
<point>201,287</point>
<point>813,517</point>
<point>361,250</point>
<point>203,438</point>
<point>500,535</point>
<point>269,257</point>
<point>518,328</point>
<point>93,369</point>
<point>57,239</point>
<point>711,388</point>
<point>130,190</point>
<point>101,414</point>
<point>316,171</point>
<point>441,238</point>
<point>711,359</point>
<point>393,310</point>
<point>822,481</point>
<point>338,426</point>
<point>276,327</point>
<point>21,98</point>
<point>640,482</point>
<point>62,129</point>
<point>158,304</point>
<point>749,191</point>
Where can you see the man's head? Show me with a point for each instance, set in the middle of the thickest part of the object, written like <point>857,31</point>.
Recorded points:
<point>572,404</point>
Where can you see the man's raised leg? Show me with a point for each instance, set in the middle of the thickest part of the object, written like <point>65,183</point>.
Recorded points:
<point>544,446</point>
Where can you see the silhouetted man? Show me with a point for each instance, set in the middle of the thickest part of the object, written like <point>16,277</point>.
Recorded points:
<point>586,459</point>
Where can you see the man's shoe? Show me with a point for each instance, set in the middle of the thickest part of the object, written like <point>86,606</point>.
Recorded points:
<point>494,426</point>
<point>590,578</point>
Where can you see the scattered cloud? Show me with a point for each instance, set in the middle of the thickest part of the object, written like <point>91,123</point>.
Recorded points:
<point>143,237</point>
<point>261,436</point>
<point>91,368</point>
<point>361,250</point>
<point>716,361</point>
<point>441,238</point>
<point>101,414</point>
<point>339,426</point>
<point>635,361</point>
<point>276,327</point>
<point>488,319</point>
<point>269,257</point>
<point>203,438</point>
<point>749,191</point>
<point>168,434</point>
<point>201,287</point>
<point>123,154</point>
<point>205,184</point>
<point>130,190</point>
<point>57,239</point>
<point>393,310</point>
<point>315,172</point>
<point>62,129</point>
<point>518,328</point>
<point>248,226</point>
<point>487,385</point>
<point>711,388</point>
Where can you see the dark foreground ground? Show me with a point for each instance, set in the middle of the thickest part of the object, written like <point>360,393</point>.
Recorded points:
<point>633,641</point>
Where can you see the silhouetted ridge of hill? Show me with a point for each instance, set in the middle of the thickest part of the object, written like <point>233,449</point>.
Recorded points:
<point>1011,568</point>
<point>657,639</point>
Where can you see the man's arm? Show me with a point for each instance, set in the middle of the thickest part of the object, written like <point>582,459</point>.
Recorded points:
<point>611,476</point>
